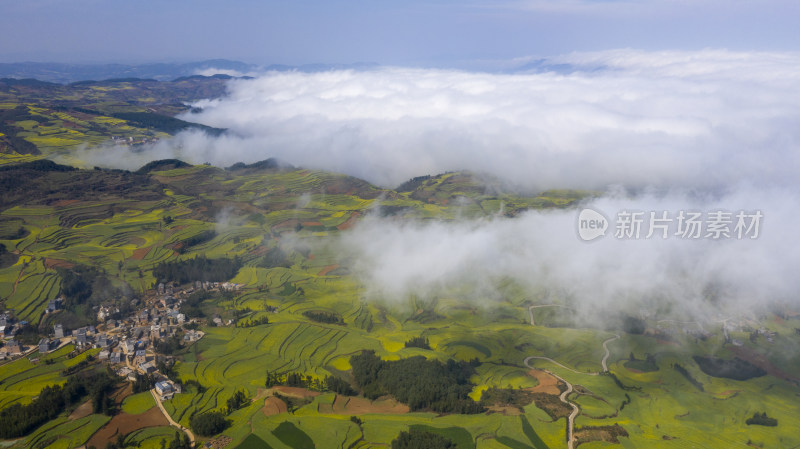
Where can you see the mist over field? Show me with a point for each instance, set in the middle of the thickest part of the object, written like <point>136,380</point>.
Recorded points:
<point>691,278</point>
<point>702,130</point>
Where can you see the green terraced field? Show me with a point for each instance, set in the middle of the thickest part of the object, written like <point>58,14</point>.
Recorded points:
<point>125,234</point>
<point>138,403</point>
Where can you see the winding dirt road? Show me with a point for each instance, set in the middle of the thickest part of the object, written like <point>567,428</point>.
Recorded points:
<point>563,398</point>
<point>169,418</point>
<point>575,409</point>
<point>605,347</point>
<point>530,309</point>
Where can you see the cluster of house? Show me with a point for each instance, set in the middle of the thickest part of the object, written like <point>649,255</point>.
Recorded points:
<point>7,325</point>
<point>120,140</point>
<point>9,328</point>
<point>128,343</point>
<point>54,304</point>
<point>222,286</point>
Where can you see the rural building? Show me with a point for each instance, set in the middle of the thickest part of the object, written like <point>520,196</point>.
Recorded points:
<point>103,341</point>
<point>46,345</point>
<point>13,347</point>
<point>193,335</point>
<point>156,332</point>
<point>80,337</point>
<point>147,367</point>
<point>115,357</point>
<point>58,329</point>
<point>103,355</point>
<point>140,356</point>
<point>165,390</point>
<point>54,304</point>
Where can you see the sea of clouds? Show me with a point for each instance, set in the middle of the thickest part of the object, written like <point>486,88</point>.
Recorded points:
<point>705,130</point>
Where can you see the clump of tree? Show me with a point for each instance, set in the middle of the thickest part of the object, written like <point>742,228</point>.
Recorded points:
<point>339,386</point>
<point>167,370</point>
<point>688,376</point>
<point>191,305</point>
<point>646,366</point>
<point>253,322</point>
<point>761,419</point>
<point>162,164</point>
<point>418,342</point>
<point>170,345</point>
<point>180,443</point>
<point>294,379</point>
<point>420,439</point>
<point>209,423</point>
<point>237,401</point>
<point>143,382</point>
<point>323,317</point>
<point>197,269</point>
<point>736,369</point>
<point>197,239</point>
<point>422,384</point>
<point>412,184</point>
<point>76,283</point>
<point>18,420</point>
<point>28,335</point>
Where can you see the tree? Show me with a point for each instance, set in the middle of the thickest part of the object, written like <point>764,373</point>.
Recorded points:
<point>420,439</point>
<point>237,401</point>
<point>418,342</point>
<point>209,423</point>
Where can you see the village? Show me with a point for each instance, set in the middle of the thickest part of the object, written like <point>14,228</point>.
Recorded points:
<point>133,346</point>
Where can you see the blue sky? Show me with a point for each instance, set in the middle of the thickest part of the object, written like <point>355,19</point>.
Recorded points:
<point>411,32</point>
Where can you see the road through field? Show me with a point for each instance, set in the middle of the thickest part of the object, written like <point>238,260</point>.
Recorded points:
<point>563,398</point>
<point>169,418</point>
<point>605,347</point>
<point>575,410</point>
<point>530,309</point>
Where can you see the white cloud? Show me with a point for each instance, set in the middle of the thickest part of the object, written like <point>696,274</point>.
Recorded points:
<point>712,120</point>
<point>689,118</point>
<point>541,250</point>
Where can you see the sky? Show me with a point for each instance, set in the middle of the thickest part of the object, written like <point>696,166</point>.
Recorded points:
<point>444,33</point>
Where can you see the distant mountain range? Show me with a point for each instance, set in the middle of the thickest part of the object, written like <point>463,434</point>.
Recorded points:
<point>68,73</point>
